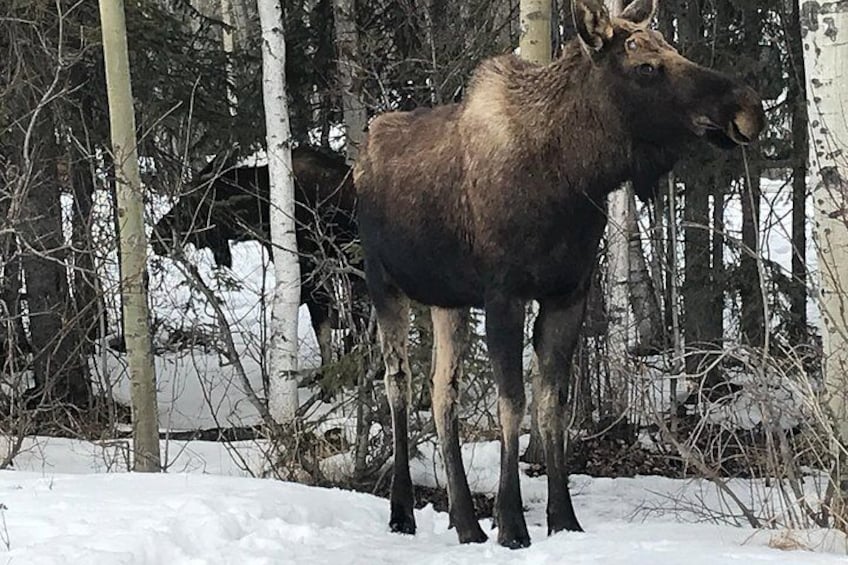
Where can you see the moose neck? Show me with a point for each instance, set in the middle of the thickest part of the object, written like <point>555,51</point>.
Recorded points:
<point>574,125</point>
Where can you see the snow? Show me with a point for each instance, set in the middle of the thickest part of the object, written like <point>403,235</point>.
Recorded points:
<point>60,507</point>
<point>184,518</point>
<point>71,501</point>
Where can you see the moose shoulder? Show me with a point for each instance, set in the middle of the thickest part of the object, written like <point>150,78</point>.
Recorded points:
<point>501,199</point>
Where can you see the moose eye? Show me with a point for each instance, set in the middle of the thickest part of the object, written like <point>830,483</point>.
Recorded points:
<point>631,45</point>
<point>646,69</point>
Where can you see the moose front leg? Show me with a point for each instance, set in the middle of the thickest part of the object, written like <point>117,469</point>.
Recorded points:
<point>504,339</point>
<point>555,336</point>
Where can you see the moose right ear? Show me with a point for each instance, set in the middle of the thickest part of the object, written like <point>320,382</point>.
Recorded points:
<point>592,22</point>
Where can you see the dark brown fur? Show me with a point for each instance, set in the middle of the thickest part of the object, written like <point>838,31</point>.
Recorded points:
<point>502,198</point>
<point>232,205</point>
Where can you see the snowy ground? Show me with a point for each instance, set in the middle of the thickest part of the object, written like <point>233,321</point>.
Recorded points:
<point>73,502</point>
<point>56,508</point>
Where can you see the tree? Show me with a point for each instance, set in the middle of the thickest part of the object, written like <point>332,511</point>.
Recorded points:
<point>619,213</point>
<point>797,93</point>
<point>283,399</point>
<point>347,48</point>
<point>826,52</point>
<point>535,46</point>
<point>132,235</point>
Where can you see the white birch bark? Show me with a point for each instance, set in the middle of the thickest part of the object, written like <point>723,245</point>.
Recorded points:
<point>133,249</point>
<point>534,44</point>
<point>825,36</point>
<point>282,350</point>
<point>347,48</point>
<point>228,43</point>
<point>535,40</point>
<point>618,297</point>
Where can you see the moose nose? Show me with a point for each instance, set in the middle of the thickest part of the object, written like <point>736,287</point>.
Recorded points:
<point>745,127</point>
<point>750,120</point>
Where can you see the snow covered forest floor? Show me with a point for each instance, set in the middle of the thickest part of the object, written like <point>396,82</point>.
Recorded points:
<point>72,501</point>
<point>59,506</point>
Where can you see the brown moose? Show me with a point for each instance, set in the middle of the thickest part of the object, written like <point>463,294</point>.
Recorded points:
<point>501,199</point>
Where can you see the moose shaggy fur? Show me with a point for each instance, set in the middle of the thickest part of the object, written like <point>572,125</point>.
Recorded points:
<point>501,199</point>
<point>232,205</point>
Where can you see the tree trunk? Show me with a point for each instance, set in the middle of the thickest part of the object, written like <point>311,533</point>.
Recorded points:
<point>228,44</point>
<point>753,320</point>
<point>347,49</point>
<point>697,305</point>
<point>825,33</point>
<point>283,401</point>
<point>133,238</point>
<point>535,46</point>
<point>59,364</point>
<point>800,148</point>
<point>535,40</point>
<point>646,307</point>
<point>698,292</point>
<point>618,296</point>
<point>88,302</point>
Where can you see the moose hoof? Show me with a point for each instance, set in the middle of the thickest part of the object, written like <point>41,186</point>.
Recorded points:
<point>514,536</point>
<point>472,535</point>
<point>515,543</point>
<point>569,524</point>
<point>402,522</point>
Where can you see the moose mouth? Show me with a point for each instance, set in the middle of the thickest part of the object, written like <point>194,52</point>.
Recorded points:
<point>729,135</point>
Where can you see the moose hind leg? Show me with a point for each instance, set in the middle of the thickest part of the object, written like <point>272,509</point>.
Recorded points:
<point>449,337</point>
<point>322,326</point>
<point>504,338</point>
<point>393,322</point>
<point>554,338</point>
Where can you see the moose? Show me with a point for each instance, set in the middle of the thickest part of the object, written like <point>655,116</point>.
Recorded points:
<point>500,199</point>
<point>232,205</point>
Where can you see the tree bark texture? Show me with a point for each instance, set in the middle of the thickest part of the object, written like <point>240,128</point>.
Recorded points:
<point>824,27</point>
<point>283,350</point>
<point>133,255</point>
<point>347,49</point>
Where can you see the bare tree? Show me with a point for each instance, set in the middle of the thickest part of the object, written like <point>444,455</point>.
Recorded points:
<point>619,213</point>
<point>133,239</point>
<point>535,46</point>
<point>347,48</point>
<point>826,52</point>
<point>283,399</point>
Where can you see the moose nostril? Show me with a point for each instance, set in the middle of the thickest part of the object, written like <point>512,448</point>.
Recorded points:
<point>738,134</point>
<point>746,126</point>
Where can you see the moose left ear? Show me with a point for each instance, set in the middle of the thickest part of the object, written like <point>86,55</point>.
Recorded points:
<point>640,12</point>
<point>592,21</point>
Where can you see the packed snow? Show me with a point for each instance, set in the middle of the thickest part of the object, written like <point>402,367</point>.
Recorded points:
<point>69,501</point>
<point>67,512</point>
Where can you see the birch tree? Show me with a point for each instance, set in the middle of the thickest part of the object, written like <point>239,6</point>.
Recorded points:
<point>282,350</point>
<point>228,43</point>
<point>535,45</point>
<point>133,249</point>
<point>618,277</point>
<point>347,47</point>
<point>824,28</point>
<point>535,39</point>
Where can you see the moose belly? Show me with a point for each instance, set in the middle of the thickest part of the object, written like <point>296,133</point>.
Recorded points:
<point>441,270</point>
<point>427,262</point>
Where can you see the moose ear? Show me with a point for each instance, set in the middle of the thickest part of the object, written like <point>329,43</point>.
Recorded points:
<point>640,12</point>
<point>592,22</point>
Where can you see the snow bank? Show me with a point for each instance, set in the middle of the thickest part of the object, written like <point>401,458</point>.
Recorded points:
<point>201,519</point>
